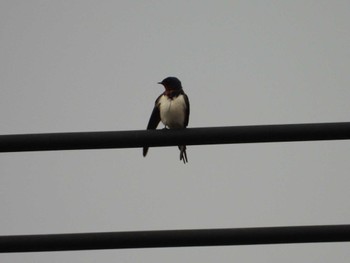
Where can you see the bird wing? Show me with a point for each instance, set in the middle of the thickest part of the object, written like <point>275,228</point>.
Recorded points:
<point>153,121</point>
<point>187,110</point>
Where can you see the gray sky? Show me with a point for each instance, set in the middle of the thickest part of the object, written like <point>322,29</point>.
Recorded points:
<point>93,65</point>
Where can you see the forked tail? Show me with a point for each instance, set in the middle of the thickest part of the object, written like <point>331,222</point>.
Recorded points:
<point>183,154</point>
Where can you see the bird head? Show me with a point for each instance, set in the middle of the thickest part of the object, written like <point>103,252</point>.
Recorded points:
<point>171,83</point>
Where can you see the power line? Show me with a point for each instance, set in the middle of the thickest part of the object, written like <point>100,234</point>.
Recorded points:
<point>175,238</point>
<point>190,136</point>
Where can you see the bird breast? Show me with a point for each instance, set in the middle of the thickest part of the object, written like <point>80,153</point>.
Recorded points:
<point>172,111</point>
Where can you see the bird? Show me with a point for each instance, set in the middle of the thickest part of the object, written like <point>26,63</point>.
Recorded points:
<point>172,108</point>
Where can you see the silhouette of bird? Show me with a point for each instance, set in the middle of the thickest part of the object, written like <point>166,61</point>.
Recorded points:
<point>172,108</point>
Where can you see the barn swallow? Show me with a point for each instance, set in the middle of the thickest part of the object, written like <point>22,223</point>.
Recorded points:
<point>172,108</point>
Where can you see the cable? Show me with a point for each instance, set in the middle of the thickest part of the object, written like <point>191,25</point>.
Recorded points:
<point>175,238</point>
<point>189,136</point>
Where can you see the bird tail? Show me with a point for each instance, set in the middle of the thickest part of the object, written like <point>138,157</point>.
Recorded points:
<point>183,154</point>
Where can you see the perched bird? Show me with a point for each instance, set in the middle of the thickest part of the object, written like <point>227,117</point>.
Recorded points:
<point>172,107</point>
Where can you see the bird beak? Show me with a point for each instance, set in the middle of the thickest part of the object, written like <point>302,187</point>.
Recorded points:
<point>160,82</point>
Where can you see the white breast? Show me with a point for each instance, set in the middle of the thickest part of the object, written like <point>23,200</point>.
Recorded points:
<point>172,112</point>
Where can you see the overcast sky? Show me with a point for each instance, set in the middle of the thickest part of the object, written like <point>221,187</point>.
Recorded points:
<point>79,65</point>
